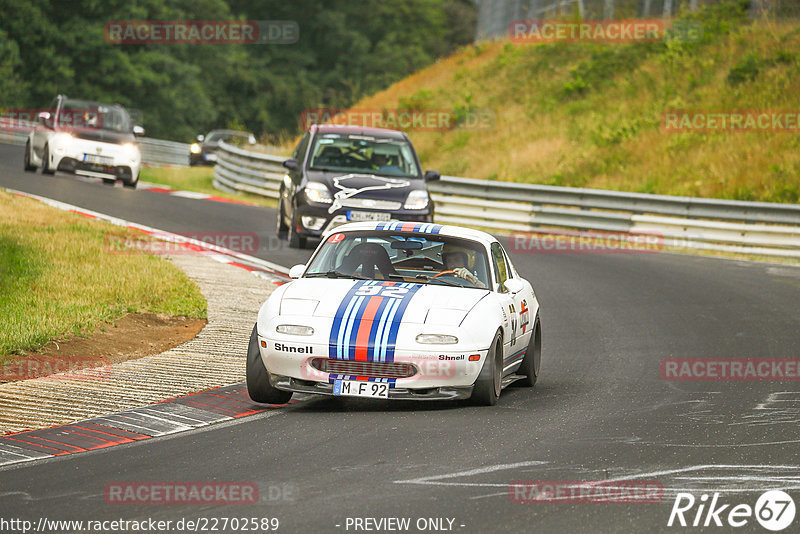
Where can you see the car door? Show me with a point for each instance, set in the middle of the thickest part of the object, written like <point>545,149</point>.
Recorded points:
<point>510,308</point>
<point>294,178</point>
<point>523,301</point>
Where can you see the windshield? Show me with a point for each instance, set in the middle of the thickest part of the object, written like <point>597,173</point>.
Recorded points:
<point>420,258</point>
<point>227,137</point>
<point>363,153</point>
<point>83,114</point>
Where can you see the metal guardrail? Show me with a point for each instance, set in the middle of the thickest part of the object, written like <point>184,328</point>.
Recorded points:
<point>244,171</point>
<point>763,228</point>
<point>154,151</point>
<point>160,152</point>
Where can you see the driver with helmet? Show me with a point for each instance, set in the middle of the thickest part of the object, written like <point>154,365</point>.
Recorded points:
<point>457,259</point>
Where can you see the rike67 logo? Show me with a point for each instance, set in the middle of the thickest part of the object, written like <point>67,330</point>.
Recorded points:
<point>774,510</point>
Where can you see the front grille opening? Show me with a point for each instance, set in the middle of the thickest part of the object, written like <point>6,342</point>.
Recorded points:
<point>370,369</point>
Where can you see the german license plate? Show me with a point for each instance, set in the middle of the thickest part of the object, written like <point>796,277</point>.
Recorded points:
<point>357,216</point>
<point>97,160</point>
<point>357,388</point>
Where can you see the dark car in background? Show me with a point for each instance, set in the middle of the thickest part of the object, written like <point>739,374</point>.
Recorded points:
<point>339,174</point>
<point>204,150</point>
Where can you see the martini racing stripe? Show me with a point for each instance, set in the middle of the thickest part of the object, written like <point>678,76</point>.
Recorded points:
<point>368,319</point>
<point>425,228</point>
<point>514,358</point>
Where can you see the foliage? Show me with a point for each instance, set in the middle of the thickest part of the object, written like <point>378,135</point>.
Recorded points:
<point>345,50</point>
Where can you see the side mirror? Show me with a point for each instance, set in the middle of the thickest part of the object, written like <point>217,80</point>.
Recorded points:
<point>138,130</point>
<point>513,285</point>
<point>201,138</point>
<point>297,271</point>
<point>431,176</point>
<point>251,140</point>
<point>291,164</point>
<point>44,117</point>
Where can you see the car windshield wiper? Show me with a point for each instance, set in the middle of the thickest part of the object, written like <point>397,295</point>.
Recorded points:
<point>430,279</point>
<point>325,169</point>
<point>337,274</point>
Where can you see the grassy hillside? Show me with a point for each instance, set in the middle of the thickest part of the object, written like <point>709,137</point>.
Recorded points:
<point>589,114</point>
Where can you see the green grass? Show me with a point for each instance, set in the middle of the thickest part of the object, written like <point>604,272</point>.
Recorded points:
<point>590,114</point>
<point>198,179</point>
<point>59,277</point>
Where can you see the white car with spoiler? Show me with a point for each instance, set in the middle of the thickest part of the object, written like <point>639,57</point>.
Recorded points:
<point>398,310</point>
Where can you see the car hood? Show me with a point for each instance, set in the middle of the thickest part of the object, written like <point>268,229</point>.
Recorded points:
<point>421,304</point>
<point>365,185</point>
<point>103,136</point>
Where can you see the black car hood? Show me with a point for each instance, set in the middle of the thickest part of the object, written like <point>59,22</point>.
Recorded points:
<point>365,185</point>
<point>104,136</point>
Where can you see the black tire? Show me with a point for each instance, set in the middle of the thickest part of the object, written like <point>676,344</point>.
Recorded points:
<point>281,228</point>
<point>131,184</point>
<point>488,385</point>
<point>258,386</point>
<point>295,240</point>
<point>46,161</point>
<point>27,158</point>
<point>533,358</point>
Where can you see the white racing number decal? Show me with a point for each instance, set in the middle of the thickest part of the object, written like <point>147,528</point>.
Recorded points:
<point>382,291</point>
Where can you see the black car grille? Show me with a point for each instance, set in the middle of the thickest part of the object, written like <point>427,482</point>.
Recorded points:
<point>370,369</point>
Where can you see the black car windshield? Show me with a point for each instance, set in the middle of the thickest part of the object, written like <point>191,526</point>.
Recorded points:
<point>228,137</point>
<point>94,115</point>
<point>363,154</point>
<point>381,255</point>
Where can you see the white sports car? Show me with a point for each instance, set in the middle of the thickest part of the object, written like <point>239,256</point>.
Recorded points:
<point>398,310</point>
<point>86,138</point>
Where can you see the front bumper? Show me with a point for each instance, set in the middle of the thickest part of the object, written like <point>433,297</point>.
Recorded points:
<point>72,165</point>
<point>313,221</point>
<point>420,372</point>
<point>287,383</point>
<point>118,161</point>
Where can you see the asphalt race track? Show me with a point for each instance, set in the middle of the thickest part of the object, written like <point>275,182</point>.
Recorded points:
<point>600,410</point>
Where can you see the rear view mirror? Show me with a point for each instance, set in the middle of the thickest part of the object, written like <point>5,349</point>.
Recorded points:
<point>251,140</point>
<point>44,117</point>
<point>406,245</point>
<point>138,130</point>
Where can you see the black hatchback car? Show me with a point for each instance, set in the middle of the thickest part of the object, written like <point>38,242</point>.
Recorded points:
<point>340,174</point>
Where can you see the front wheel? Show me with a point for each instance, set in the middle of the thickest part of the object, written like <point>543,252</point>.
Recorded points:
<point>46,161</point>
<point>27,158</point>
<point>281,228</point>
<point>488,385</point>
<point>130,183</point>
<point>529,368</point>
<point>295,240</point>
<point>258,386</point>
